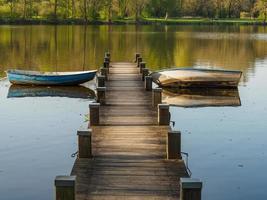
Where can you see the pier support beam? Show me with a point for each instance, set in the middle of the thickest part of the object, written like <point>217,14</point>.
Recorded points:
<point>145,72</point>
<point>174,145</point>
<point>101,81</point>
<point>148,83</point>
<point>65,187</point>
<point>137,55</point>
<point>101,95</point>
<point>139,60</point>
<point>142,66</point>
<point>84,143</point>
<point>190,189</point>
<point>104,72</point>
<point>156,97</point>
<point>94,109</point>
<point>164,114</point>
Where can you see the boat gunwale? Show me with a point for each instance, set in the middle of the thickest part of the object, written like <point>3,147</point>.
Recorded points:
<point>48,74</point>
<point>197,69</point>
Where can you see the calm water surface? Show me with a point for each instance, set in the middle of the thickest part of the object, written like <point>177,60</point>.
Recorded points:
<point>226,145</point>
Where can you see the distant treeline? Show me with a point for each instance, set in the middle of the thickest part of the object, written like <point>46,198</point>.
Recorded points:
<point>108,10</point>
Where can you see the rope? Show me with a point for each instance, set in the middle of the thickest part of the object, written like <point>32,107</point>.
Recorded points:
<point>187,164</point>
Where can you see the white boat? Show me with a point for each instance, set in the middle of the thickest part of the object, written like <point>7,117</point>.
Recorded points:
<point>192,77</point>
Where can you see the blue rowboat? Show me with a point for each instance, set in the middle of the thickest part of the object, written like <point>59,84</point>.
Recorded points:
<point>22,77</point>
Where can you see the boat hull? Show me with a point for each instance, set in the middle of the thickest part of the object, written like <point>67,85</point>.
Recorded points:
<point>194,78</point>
<point>32,78</point>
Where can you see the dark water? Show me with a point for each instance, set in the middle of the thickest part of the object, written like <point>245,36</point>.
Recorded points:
<point>226,145</point>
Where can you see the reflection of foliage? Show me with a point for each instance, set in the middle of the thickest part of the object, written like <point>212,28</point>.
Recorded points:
<point>71,48</point>
<point>2,74</point>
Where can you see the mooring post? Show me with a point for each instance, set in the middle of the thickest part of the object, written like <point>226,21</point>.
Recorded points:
<point>145,72</point>
<point>137,55</point>
<point>142,66</point>
<point>139,60</point>
<point>148,83</point>
<point>106,64</point>
<point>65,187</point>
<point>107,54</point>
<point>104,72</point>
<point>174,145</point>
<point>107,59</point>
<point>94,109</point>
<point>156,97</point>
<point>101,81</point>
<point>190,189</point>
<point>84,143</point>
<point>164,114</point>
<point>101,95</point>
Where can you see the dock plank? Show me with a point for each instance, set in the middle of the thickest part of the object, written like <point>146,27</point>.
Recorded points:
<point>129,147</point>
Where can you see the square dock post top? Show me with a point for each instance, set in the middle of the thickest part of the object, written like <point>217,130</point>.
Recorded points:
<point>94,105</point>
<point>65,181</point>
<point>86,132</point>
<point>190,183</point>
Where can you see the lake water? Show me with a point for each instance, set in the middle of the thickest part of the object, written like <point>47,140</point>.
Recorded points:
<point>226,145</point>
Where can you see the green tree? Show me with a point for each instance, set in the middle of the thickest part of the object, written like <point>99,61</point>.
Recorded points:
<point>261,6</point>
<point>11,4</point>
<point>123,7</point>
<point>55,8</point>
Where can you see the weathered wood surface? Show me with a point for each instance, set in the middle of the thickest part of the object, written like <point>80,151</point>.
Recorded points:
<point>129,148</point>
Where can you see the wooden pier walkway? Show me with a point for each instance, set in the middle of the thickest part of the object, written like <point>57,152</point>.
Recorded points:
<point>128,147</point>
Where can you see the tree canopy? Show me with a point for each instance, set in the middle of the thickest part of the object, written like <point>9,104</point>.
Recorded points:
<point>135,9</point>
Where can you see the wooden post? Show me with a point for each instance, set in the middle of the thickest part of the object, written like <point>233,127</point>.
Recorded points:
<point>101,81</point>
<point>190,189</point>
<point>148,83</point>
<point>139,60</point>
<point>142,66</point>
<point>65,187</point>
<point>164,114</point>
<point>156,97</point>
<point>145,72</point>
<point>107,54</point>
<point>101,95</point>
<point>137,55</point>
<point>84,143</point>
<point>107,59</point>
<point>106,64</point>
<point>94,109</point>
<point>174,145</point>
<point>104,72</point>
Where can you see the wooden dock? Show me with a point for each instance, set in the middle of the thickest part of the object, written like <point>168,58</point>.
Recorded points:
<point>128,146</point>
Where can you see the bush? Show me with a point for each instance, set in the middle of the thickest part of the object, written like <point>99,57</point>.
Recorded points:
<point>244,15</point>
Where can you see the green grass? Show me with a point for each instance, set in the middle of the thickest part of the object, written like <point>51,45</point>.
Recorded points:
<point>206,21</point>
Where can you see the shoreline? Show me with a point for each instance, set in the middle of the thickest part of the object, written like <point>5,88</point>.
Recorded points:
<point>144,21</point>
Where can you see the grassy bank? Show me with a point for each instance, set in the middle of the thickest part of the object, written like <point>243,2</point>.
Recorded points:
<point>206,21</point>
<point>171,21</point>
